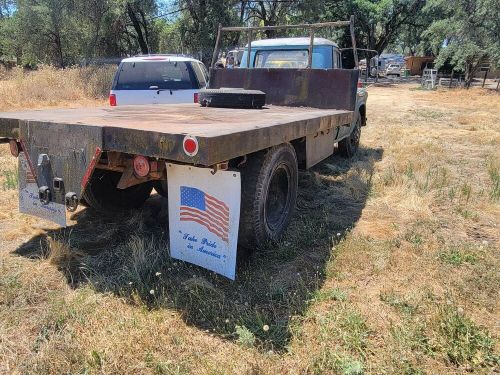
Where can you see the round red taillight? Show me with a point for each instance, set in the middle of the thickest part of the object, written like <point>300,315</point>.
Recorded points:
<point>190,145</point>
<point>141,166</point>
<point>14,148</point>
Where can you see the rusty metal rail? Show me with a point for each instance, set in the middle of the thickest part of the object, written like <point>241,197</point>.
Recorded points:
<point>312,27</point>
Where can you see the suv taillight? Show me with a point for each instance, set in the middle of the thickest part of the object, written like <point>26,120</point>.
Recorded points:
<point>360,84</point>
<point>196,97</point>
<point>112,100</point>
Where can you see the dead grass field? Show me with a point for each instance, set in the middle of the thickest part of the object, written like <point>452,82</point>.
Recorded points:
<point>391,266</point>
<point>50,87</point>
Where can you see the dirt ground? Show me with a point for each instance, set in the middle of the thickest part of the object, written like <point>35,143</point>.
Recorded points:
<point>391,266</point>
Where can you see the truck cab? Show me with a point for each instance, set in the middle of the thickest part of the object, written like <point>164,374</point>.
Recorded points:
<point>293,53</point>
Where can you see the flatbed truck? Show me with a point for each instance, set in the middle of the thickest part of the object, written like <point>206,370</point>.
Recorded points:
<point>111,158</point>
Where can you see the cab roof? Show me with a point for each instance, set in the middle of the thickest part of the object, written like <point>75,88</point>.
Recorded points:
<point>290,42</point>
<point>152,58</point>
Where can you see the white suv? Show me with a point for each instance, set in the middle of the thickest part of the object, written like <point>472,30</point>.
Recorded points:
<point>393,70</point>
<point>158,79</point>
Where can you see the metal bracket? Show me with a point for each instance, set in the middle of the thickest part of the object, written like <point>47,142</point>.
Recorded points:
<point>44,195</point>
<point>71,200</point>
<point>224,166</point>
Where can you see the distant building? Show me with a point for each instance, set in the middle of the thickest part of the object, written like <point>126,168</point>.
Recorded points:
<point>417,64</point>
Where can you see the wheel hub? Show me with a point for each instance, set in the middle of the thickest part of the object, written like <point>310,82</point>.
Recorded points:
<point>278,202</point>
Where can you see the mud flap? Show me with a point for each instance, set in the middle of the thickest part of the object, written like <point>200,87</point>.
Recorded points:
<point>29,200</point>
<point>204,215</point>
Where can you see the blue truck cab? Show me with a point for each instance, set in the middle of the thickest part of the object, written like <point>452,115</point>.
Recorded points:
<point>293,53</point>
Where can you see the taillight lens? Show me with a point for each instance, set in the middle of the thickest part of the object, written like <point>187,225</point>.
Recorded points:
<point>141,166</point>
<point>190,145</point>
<point>14,148</point>
<point>112,100</point>
<point>196,97</point>
<point>360,85</point>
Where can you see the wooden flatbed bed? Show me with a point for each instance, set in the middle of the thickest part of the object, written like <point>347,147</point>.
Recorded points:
<point>158,130</point>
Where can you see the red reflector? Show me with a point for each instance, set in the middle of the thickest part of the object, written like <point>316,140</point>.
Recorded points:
<point>112,100</point>
<point>360,85</point>
<point>14,148</point>
<point>141,166</point>
<point>190,145</point>
<point>196,97</point>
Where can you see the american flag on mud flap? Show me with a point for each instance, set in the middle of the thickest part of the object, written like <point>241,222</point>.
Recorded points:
<point>205,210</point>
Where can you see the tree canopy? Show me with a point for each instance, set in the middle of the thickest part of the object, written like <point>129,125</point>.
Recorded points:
<point>65,32</point>
<point>466,34</point>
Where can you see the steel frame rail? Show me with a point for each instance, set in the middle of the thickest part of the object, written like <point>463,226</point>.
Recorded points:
<point>312,27</point>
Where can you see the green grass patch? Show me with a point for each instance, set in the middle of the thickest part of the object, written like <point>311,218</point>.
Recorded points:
<point>340,363</point>
<point>494,173</point>
<point>462,341</point>
<point>335,294</point>
<point>346,325</point>
<point>456,256</point>
<point>10,179</point>
<point>245,337</point>
<point>398,302</point>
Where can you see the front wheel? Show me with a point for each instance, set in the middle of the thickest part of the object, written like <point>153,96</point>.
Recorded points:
<point>349,145</point>
<point>269,193</point>
<point>103,195</point>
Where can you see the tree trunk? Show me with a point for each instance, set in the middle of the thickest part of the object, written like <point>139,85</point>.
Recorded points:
<point>137,26</point>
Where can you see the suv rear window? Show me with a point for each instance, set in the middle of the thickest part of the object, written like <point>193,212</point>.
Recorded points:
<point>174,75</point>
<point>281,59</point>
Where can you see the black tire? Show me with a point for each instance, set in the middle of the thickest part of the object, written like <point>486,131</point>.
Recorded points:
<point>348,147</point>
<point>232,98</point>
<point>161,188</point>
<point>102,194</point>
<point>269,193</point>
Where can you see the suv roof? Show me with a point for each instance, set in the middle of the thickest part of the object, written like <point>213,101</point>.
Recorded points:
<point>278,42</point>
<point>159,58</point>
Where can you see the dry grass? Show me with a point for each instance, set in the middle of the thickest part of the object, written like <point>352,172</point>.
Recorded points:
<point>49,87</point>
<point>391,266</point>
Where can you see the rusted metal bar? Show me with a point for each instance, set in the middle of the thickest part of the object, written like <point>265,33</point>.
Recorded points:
<point>309,26</point>
<point>311,45</point>
<point>249,50</point>
<point>353,40</point>
<point>216,51</point>
<point>284,27</point>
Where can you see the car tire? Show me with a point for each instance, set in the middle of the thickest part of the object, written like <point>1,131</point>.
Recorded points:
<point>269,181</point>
<point>348,147</point>
<point>232,98</point>
<point>102,194</point>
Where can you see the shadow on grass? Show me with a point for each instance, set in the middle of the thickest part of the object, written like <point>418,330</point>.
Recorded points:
<point>128,256</point>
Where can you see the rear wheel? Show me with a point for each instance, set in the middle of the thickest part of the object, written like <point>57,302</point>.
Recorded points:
<point>102,194</point>
<point>349,145</point>
<point>269,193</point>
